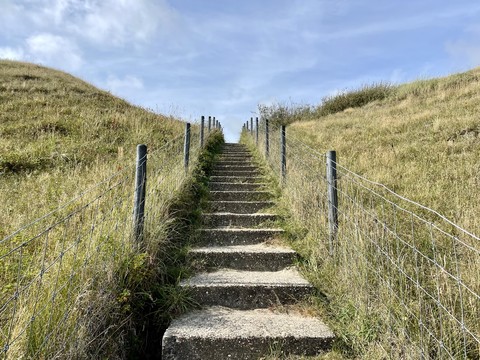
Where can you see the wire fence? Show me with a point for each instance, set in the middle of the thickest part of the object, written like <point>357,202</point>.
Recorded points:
<point>412,275</point>
<point>61,273</point>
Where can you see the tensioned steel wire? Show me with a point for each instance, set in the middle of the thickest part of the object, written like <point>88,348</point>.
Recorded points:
<point>56,268</point>
<point>416,274</point>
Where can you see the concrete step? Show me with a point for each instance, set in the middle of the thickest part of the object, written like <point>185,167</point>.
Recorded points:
<point>240,195</point>
<point>240,207</point>
<point>218,333</point>
<point>258,257</point>
<point>236,154</point>
<point>235,158</point>
<point>239,167</point>
<point>236,179</point>
<point>240,289</point>
<point>232,219</point>
<point>229,162</point>
<point>236,236</point>
<point>233,145</point>
<point>232,186</point>
<point>231,172</point>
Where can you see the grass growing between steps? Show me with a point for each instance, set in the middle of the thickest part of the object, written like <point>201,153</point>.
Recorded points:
<point>155,297</point>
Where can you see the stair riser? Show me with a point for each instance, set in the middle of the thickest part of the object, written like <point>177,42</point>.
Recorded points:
<point>229,162</point>
<point>227,172</point>
<point>243,261</point>
<point>236,220</point>
<point>236,153</point>
<point>218,186</point>
<point>241,348</point>
<point>249,296</point>
<point>239,195</point>
<point>235,179</point>
<point>240,207</point>
<point>236,167</point>
<point>225,238</point>
<point>235,160</point>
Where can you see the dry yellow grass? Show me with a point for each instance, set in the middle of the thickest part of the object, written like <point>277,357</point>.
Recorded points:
<point>422,142</point>
<point>402,282</point>
<point>68,281</point>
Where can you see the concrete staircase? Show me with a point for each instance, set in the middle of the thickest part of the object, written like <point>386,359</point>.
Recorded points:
<point>246,277</point>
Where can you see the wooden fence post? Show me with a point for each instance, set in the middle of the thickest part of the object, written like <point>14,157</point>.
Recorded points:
<point>186,147</point>
<point>283,155</point>
<point>256,131</point>
<point>202,125</point>
<point>332,198</point>
<point>140,191</point>
<point>267,142</point>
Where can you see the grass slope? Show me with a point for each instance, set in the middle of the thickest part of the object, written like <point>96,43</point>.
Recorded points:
<point>384,281</point>
<point>422,140</point>
<point>59,134</point>
<point>70,282</point>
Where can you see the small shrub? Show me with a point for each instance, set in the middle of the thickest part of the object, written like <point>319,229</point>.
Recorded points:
<point>284,114</point>
<point>356,98</point>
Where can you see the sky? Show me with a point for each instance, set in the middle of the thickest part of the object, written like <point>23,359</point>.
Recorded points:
<point>222,58</point>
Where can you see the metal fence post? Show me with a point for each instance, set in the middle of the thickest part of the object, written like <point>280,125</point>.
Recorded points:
<point>256,132</point>
<point>140,190</point>
<point>209,123</point>
<point>267,142</point>
<point>186,148</point>
<point>283,155</point>
<point>332,198</point>
<point>202,125</point>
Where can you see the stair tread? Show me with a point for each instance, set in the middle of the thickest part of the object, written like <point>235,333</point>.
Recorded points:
<point>229,229</point>
<point>220,322</point>
<point>254,248</point>
<point>239,215</point>
<point>230,277</point>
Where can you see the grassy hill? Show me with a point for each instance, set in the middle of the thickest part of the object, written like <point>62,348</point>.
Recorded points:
<point>397,280</point>
<point>74,283</point>
<point>59,134</point>
<point>422,140</point>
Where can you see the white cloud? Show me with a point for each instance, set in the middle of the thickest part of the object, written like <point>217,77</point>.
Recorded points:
<point>119,22</point>
<point>105,22</point>
<point>11,53</point>
<point>54,50</point>
<point>121,85</point>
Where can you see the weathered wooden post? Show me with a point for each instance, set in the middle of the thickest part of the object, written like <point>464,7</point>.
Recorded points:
<point>248,129</point>
<point>214,124</point>
<point>186,147</point>
<point>267,143</point>
<point>332,198</point>
<point>202,125</point>
<point>140,191</point>
<point>209,124</point>
<point>256,131</point>
<point>283,155</point>
<point>251,125</point>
